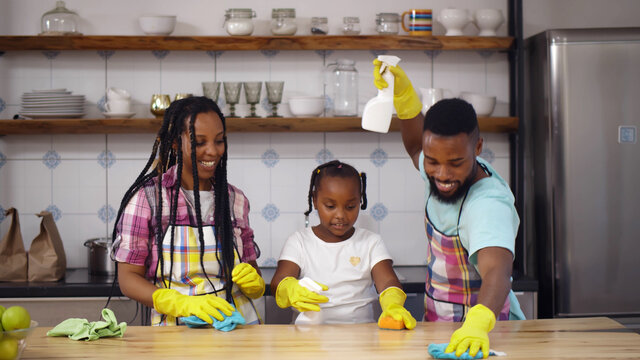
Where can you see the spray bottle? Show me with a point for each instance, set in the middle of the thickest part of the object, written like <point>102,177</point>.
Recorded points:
<point>309,317</point>
<point>379,110</point>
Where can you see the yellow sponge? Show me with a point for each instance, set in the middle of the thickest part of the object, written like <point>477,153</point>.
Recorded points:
<point>388,322</point>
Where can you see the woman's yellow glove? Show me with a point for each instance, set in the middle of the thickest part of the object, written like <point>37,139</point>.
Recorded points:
<point>171,302</point>
<point>474,332</point>
<point>392,304</point>
<point>405,98</point>
<point>248,280</point>
<point>291,293</point>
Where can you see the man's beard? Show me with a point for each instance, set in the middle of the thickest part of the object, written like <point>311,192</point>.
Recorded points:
<point>458,194</point>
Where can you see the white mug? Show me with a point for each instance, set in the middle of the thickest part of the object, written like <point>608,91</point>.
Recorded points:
<point>118,94</point>
<point>431,96</point>
<point>118,106</point>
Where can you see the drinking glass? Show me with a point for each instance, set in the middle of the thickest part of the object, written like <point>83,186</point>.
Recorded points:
<point>232,95</point>
<point>159,103</point>
<point>252,94</point>
<point>211,89</point>
<point>183,96</point>
<point>274,95</point>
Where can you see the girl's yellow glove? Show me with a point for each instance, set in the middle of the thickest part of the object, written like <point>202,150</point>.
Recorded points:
<point>474,332</point>
<point>291,293</point>
<point>405,99</point>
<point>248,280</point>
<point>392,304</point>
<point>171,302</point>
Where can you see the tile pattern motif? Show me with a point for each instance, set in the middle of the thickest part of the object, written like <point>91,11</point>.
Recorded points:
<point>106,159</point>
<point>51,159</point>
<point>55,211</point>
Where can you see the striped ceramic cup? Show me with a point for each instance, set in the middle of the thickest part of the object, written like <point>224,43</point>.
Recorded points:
<point>419,22</point>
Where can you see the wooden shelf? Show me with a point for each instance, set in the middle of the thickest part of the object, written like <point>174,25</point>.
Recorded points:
<point>329,42</point>
<point>151,125</point>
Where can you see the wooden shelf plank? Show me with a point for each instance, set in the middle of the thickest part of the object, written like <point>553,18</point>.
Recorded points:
<point>329,42</point>
<point>151,125</point>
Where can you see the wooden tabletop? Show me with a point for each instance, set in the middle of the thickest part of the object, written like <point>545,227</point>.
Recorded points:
<point>587,338</point>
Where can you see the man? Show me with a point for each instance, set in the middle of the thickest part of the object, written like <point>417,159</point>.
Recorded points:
<point>470,217</point>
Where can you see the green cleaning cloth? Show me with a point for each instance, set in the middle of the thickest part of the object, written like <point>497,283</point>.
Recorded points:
<point>79,329</point>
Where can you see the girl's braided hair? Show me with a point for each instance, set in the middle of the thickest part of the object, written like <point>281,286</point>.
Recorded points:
<point>178,118</point>
<point>336,168</point>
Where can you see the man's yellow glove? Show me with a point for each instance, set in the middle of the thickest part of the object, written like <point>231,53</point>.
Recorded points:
<point>405,98</point>
<point>474,332</point>
<point>291,293</point>
<point>248,280</point>
<point>392,304</point>
<point>171,302</point>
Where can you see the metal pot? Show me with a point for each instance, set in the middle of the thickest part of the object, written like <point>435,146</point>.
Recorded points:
<point>99,250</point>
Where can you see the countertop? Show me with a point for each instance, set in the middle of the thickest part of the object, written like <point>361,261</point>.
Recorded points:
<point>586,338</point>
<point>78,283</point>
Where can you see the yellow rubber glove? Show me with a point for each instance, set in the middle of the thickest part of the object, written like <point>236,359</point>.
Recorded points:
<point>290,293</point>
<point>171,302</point>
<point>248,280</point>
<point>474,332</point>
<point>392,304</point>
<point>405,98</point>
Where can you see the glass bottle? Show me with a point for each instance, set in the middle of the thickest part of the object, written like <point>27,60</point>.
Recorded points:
<point>387,23</point>
<point>345,88</point>
<point>59,21</point>
<point>319,26</point>
<point>238,21</point>
<point>283,21</point>
<point>351,25</point>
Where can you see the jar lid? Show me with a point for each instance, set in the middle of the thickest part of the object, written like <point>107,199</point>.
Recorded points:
<point>351,20</point>
<point>283,12</point>
<point>239,13</point>
<point>60,9</point>
<point>388,17</point>
<point>319,20</point>
<point>346,62</point>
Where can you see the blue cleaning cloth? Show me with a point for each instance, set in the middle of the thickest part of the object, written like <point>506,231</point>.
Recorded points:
<point>437,352</point>
<point>229,323</point>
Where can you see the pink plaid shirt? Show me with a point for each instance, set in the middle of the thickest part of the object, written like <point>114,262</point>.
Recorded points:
<point>135,242</point>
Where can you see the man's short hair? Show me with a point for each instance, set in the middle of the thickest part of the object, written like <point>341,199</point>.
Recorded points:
<point>449,117</point>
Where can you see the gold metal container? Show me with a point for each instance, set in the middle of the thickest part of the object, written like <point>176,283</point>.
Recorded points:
<point>159,104</point>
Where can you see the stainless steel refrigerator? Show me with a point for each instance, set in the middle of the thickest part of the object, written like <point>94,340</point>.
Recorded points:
<point>582,157</point>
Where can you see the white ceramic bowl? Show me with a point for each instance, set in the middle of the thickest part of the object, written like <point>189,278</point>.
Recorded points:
<point>157,24</point>
<point>306,105</point>
<point>488,21</point>
<point>454,20</point>
<point>482,104</point>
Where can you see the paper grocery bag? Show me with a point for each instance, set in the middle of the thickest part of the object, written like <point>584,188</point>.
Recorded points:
<point>47,261</point>
<point>13,258</point>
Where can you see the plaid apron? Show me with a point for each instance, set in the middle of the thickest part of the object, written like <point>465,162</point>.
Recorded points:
<point>188,276</point>
<point>452,283</point>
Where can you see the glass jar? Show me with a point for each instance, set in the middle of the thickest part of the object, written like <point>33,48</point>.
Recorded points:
<point>238,21</point>
<point>351,25</point>
<point>344,78</point>
<point>283,21</point>
<point>59,21</point>
<point>319,26</point>
<point>387,23</point>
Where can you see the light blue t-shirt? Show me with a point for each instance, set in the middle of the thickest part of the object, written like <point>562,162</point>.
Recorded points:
<point>488,218</point>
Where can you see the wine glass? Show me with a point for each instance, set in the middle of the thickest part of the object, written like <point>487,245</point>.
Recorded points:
<point>232,95</point>
<point>211,89</point>
<point>274,95</point>
<point>252,94</point>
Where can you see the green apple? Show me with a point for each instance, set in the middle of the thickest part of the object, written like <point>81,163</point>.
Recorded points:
<point>8,348</point>
<point>15,317</point>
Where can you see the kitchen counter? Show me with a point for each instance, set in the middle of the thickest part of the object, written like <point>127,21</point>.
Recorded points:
<point>529,339</point>
<point>79,283</point>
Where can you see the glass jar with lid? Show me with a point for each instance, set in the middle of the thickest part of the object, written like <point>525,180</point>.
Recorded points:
<point>283,21</point>
<point>387,23</point>
<point>343,81</point>
<point>238,21</point>
<point>351,25</point>
<point>319,26</point>
<point>59,21</point>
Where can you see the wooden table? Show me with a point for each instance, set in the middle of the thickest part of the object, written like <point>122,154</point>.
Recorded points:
<point>588,338</point>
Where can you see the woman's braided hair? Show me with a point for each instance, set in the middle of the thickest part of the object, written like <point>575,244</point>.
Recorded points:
<point>178,118</point>
<point>336,168</point>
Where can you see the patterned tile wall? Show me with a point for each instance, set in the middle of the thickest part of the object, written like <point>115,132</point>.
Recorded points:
<point>81,178</point>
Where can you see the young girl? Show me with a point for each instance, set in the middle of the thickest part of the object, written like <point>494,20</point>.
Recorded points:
<point>182,230</point>
<point>346,262</point>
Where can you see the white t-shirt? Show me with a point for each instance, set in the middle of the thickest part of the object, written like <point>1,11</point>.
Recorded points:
<point>345,267</point>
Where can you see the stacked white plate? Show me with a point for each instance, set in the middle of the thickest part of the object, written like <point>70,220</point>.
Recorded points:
<point>52,104</point>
